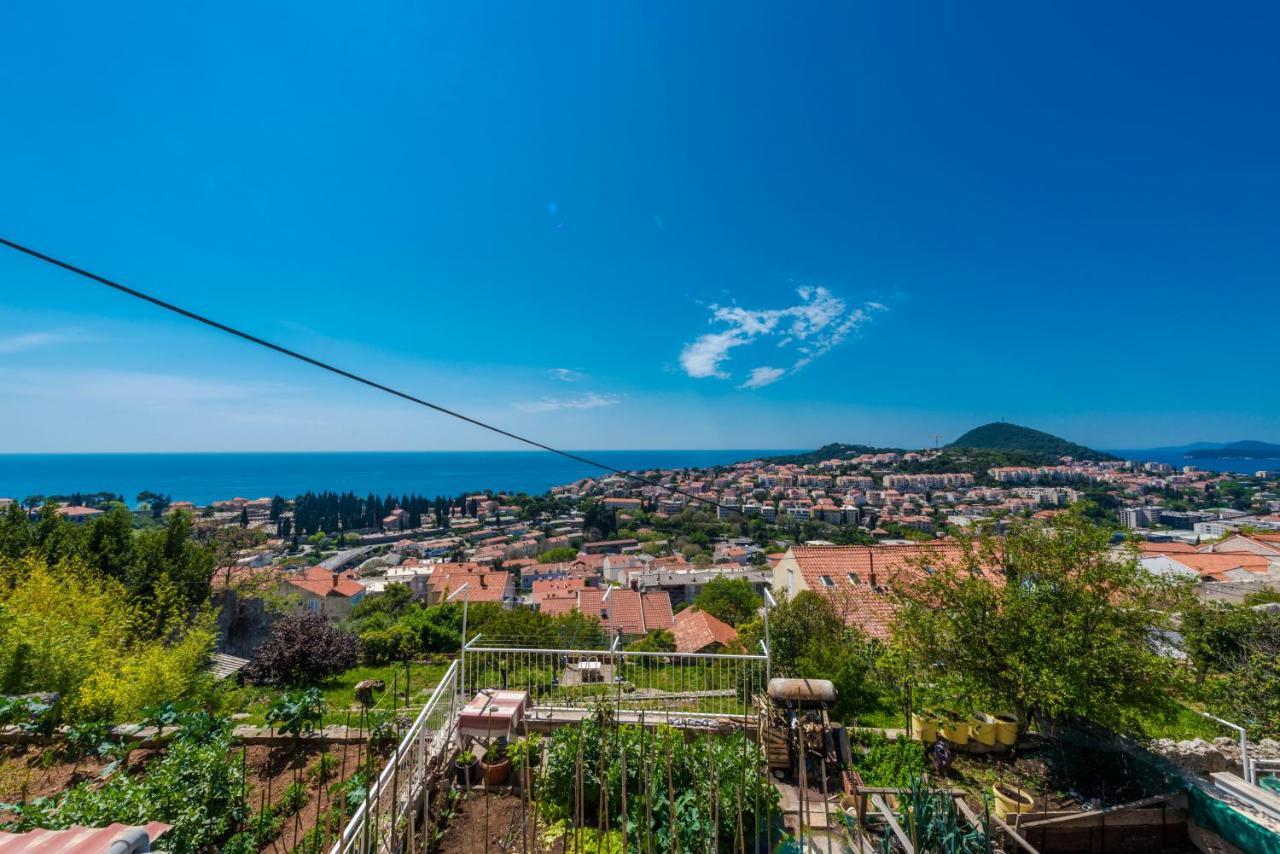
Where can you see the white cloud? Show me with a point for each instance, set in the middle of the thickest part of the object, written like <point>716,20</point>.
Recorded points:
<point>814,326</point>
<point>590,400</point>
<point>567,375</point>
<point>32,340</point>
<point>763,376</point>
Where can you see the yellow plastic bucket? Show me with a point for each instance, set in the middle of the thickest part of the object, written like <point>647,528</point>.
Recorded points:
<point>1010,800</point>
<point>953,728</point>
<point>923,728</point>
<point>1006,728</point>
<point>982,729</point>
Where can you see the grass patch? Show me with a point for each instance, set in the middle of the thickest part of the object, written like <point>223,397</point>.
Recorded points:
<point>1184,724</point>
<point>340,692</point>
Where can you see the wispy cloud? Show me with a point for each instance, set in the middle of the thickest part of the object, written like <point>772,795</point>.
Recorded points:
<point>567,375</point>
<point>590,400</point>
<point>820,322</point>
<point>763,376</point>
<point>24,341</point>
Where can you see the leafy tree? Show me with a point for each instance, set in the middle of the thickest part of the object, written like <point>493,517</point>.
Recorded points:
<point>810,640</point>
<point>394,601</point>
<point>576,630</point>
<point>729,599</point>
<point>657,640</point>
<point>303,648</point>
<point>396,642</point>
<point>1066,633</point>
<point>1216,636</point>
<point>558,554</point>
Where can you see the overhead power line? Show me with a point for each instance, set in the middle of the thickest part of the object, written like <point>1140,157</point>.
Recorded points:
<point>318,363</point>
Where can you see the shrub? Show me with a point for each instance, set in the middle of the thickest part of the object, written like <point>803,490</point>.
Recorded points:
<point>303,648</point>
<point>394,643</point>
<point>297,712</point>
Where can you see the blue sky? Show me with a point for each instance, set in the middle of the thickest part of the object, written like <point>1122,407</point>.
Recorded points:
<point>654,225</point>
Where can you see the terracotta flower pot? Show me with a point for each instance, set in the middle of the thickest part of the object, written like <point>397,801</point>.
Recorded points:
<point>496,773</point>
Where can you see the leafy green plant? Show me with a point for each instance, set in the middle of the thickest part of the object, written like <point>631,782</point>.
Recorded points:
<point>322,768</point>
<point>701,799</point>
<point>195,785</point>
<point>888,763</point>
<point>297,712</point>
<point>293,798</point>
<point>161,716</point>
<point>525,752</point>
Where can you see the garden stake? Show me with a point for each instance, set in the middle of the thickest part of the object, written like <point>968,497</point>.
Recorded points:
<point>671,798</point>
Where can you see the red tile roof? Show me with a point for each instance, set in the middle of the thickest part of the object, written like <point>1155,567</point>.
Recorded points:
<point>857,580</point>
<point>626,611</point>
<point>319,581</point>
<point>697,630</point>
<point>1219,563</point>
<point>1149,548</point>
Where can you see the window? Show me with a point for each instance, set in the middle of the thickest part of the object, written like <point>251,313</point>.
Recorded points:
<point>826,581</point>
<point>854,579</point>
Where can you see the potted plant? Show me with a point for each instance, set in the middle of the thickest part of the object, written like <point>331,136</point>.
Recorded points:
<point>526,756</point>
<point>496,765</point>
<point>464,766</point>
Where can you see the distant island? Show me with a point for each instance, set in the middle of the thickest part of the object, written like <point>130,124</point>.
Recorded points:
<point>1243,450</point>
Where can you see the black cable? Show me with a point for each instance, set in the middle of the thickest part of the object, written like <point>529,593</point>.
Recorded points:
<point>262,342</point>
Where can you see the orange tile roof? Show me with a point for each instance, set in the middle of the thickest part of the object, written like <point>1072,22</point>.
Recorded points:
<point>1147,548</point>
<point>626,611</point>
<point>696,630</point>
<point>1217,563</point>
<point>319,581</point>
<point>861,577</point>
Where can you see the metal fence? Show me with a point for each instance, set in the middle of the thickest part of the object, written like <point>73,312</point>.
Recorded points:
<point>680,685</point>
<point>399,799</point>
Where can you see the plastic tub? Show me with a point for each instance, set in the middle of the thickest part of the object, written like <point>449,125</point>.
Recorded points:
<point>1006,728</point>
<point>982,729</point>
<point>1010,800</point>
<point>953,728</point>
<point>924,727</point>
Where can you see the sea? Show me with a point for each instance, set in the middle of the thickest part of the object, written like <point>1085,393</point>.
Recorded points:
<point>1178,460</point>
<point>203,478</point>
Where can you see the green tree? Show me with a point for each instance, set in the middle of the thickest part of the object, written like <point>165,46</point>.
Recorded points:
<point>657,640</point>
<point>1216,636</point>
<point>809,640</point>
<point>1066,632</point>
<point>558,554</point>
<point>729,599</point>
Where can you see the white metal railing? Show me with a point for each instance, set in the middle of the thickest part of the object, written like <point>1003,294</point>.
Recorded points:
<point>384,822</point>
<point>629,680</point>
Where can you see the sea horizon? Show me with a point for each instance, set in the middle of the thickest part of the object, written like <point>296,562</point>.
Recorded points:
<point>205,476</point>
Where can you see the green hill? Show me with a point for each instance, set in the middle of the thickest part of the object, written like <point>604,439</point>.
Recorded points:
<point>1001,436</point>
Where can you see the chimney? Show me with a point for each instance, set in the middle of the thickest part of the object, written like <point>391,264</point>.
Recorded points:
<point>335,579</point>
<point>872,576</point>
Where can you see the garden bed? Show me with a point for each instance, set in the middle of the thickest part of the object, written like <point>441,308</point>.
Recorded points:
<point>501,813</point>
<point>282,783</point>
